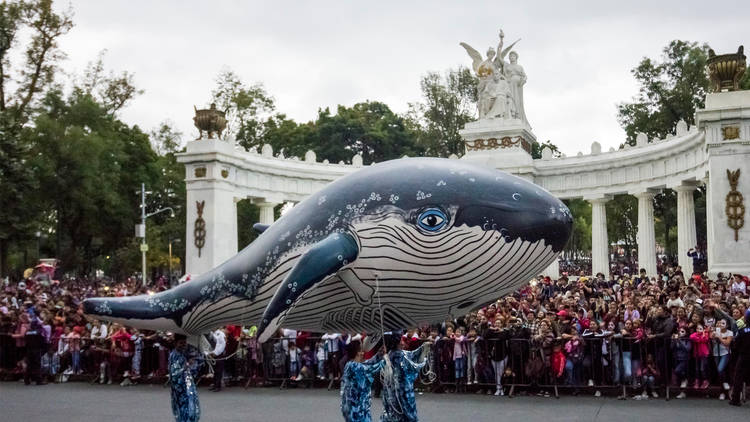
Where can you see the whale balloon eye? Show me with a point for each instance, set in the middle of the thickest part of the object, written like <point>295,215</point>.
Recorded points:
<point>432,219</point>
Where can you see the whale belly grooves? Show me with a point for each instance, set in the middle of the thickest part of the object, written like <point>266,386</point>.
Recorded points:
<point>232,309</point>
<point>421,278</point>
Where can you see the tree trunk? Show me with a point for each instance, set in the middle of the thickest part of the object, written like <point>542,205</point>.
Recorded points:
<point>3,256</point>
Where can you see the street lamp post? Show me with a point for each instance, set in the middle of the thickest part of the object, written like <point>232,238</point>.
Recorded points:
<point>141,231</point>
<point>38,237</point>
<point>144,246</point>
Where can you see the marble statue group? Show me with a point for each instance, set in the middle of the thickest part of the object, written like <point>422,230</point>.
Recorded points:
<point>500,89</point>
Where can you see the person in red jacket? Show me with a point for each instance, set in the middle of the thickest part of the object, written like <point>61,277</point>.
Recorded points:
<point>700,340</point>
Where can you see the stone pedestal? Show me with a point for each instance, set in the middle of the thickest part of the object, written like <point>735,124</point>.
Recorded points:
<point>211,227</point>
<point>500,144</point>
<point>646,234</point>
<point>726,121</point>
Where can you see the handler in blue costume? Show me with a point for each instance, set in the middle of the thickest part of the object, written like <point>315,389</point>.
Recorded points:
<point>399,402</point>
<point>184,363</point>
<point>356,384</point>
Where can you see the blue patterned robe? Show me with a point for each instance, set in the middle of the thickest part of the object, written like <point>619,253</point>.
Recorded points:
<point>185,405</point>
<point>401,405</point>
<point>355,388</point>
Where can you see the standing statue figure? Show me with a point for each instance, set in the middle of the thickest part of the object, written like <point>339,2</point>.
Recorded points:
<point>517,78</point>
<point>498,87</point>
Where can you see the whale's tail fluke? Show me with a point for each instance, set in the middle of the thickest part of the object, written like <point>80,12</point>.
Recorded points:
<point>162,311</point>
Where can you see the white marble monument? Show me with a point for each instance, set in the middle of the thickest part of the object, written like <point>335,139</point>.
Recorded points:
<point>501,137</point>
<point>714,153</point>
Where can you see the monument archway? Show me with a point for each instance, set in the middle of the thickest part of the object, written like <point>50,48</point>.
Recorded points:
<point>714,154</point>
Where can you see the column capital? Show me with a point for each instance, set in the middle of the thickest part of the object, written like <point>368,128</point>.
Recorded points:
<point>266,203</point>
<point>648,194</point>
<point>685,188</point>
<point>598,199</point>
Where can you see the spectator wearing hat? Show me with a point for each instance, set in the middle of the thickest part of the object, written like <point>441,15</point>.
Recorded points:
<point>399,401</point>
<point>741,349</point>
<point>183,369</point>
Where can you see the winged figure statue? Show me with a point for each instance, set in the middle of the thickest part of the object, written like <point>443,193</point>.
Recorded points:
<point>495,93</point>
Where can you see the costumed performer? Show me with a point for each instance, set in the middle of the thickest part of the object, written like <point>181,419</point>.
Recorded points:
<point>184,363</point>
<point>399,402</point>
<point>356,384</point>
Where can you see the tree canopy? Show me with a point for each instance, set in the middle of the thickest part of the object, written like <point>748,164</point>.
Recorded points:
<point>71,170</point>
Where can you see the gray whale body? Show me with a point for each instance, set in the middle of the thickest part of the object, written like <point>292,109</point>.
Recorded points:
<point>434,237</point>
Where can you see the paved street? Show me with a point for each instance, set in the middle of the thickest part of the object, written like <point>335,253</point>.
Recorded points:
<point>87,403</point>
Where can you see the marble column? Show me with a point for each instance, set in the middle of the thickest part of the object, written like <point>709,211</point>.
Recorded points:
<point>553,270</point>
<point>686,236</point>
<point>599,238</point>
<point>646,235</point>
<point>266,212</point>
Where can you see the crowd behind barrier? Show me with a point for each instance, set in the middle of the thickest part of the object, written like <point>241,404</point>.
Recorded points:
<point>636,336</point>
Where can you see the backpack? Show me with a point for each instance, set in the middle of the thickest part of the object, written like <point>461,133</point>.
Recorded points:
<point>278,359</point>
<point>534,366</point>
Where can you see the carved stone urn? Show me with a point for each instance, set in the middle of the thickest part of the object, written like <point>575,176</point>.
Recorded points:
<point>726,70</point>
<point>211,121</point>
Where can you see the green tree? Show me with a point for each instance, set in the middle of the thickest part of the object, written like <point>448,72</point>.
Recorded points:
<point>670,89</point>
<point>536,149</point>
<point>247,107</point>
<point>112,91</point>
<point>580,237</point>
<point>94,164</point>
<point>448,103</point>
<point>21,84</point>
<point>622,222</point>
<point>370,129</point>
<point>665,216</point>
<point>168,191</point>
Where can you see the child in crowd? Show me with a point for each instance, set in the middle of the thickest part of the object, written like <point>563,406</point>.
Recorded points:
<point>471,355</point>
<point>308,360</point>
<point>294,360</point>
<point>722,341</point>
<point>700,339</point>
<point>459,354</point>
<point>681,348</point>
<point>75,349</point>
<point>650,373</point>
<point>574,356</point>
<point>320,359</point>
<point>135,367</point>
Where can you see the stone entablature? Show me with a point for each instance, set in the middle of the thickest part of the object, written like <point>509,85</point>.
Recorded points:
<point>220,173</point>
<point>258,176</point>
<point>656,165</point>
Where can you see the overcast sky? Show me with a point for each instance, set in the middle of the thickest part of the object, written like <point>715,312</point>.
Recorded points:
<point>577,55</point>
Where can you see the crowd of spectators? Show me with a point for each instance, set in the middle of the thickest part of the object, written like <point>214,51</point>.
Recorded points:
<point>639,331</point>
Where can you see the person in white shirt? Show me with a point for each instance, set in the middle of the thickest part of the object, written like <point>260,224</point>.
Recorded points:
<point>675,301</point>
<point>294,359</point>
<point>738,286</point>
<point>320,357</point>
<point>98,331</point>
<point>220,343</point>
<point>334,354</point>
<point>287,336</point>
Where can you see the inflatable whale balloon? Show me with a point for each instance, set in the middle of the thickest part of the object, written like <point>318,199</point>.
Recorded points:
<point>411,241</point>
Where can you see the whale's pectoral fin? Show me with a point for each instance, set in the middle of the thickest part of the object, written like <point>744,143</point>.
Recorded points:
<point>260,228</point>
<point>322,260</point>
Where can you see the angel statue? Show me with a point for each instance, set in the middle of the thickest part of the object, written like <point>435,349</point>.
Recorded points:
<point>494,90</point>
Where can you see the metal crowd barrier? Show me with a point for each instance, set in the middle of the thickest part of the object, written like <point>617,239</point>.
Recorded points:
<point>612,363</point>
<point>603,363</point>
